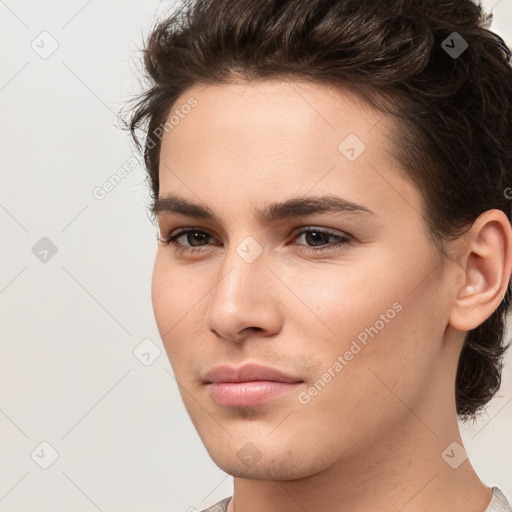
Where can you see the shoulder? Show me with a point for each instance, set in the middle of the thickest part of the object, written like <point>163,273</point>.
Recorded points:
<point>499,502</point>
<point>221,506</point>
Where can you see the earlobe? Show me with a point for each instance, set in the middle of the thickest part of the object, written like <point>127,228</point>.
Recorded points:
<point>486,267</point>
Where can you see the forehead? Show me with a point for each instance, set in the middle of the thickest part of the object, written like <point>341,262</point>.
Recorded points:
<point>243,141</point>
<point>272,110</point>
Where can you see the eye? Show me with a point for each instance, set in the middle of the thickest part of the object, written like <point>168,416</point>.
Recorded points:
<point>316,236</point>
<point>199,235</point>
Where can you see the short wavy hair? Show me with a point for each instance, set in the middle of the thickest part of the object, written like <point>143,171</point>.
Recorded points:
<point>454,135</point>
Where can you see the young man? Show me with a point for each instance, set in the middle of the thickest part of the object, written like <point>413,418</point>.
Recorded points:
<point>330,184</point>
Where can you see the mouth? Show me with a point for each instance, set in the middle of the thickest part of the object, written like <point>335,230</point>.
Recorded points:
<point>248,385</point>
<point>248,394</point>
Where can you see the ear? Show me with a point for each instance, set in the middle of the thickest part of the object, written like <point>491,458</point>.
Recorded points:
<point>485,265</point>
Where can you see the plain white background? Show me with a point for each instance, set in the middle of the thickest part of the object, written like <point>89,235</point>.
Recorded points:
<point>70,324</point>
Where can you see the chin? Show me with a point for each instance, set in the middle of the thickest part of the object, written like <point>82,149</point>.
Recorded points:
<point>267,463</point>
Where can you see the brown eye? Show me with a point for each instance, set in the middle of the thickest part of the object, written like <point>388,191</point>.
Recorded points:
<point>191,236</point>
<point>318,237</point>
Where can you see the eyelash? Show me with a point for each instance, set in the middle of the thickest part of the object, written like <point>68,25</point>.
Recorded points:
<point>180,248</point>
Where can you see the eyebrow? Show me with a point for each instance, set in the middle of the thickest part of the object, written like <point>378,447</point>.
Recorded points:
<point>294,207</point>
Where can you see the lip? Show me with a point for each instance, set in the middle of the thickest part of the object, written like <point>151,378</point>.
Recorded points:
<point>248,385</point>
<point>247,373</point>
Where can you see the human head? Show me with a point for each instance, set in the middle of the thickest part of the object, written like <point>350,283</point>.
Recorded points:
<point>447,120</point>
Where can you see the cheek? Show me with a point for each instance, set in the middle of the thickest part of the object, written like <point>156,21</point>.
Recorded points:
<point>162,297</point>
<point>175,293</point>
<point>361,388</point>
<point>380,342</point>
<point>396,359</point>
<point>334,304</point>
<point>174,302</point>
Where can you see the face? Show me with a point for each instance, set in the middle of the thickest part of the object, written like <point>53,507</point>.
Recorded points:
<point>344,302</point>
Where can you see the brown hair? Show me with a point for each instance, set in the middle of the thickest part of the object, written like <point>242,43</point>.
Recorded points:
<point>454,137</point>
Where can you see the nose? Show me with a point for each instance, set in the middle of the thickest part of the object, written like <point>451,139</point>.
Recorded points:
<point>244,300</point>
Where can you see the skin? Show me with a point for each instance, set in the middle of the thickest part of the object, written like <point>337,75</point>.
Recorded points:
<point>372,438</point>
